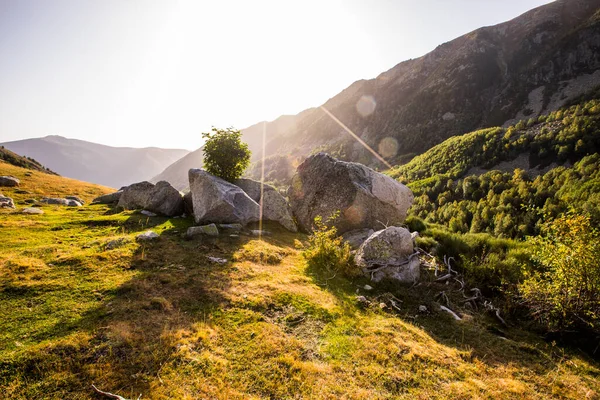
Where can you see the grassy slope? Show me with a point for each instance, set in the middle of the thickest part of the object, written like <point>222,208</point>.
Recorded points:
<point>162,320</point>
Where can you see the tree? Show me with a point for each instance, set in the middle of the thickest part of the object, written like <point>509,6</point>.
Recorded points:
<point>225,155</point>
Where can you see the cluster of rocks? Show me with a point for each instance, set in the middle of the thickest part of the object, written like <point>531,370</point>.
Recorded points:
<point>353,198</point>
<point>363,200</point>
<point>6,202</point>
<point>211,200</point>
<point>69,201</point>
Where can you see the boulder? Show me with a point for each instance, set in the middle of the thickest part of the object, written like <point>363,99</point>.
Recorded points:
<point>275,206</point>
<point>208,230</point>
<point>217,201</point>
<point>161,198</point>
<point>388,254</point>
<point>9,181</point>
<point>108,198</point>
<point>73,203</point>
<point>365,198</point>
<point>6,202</point>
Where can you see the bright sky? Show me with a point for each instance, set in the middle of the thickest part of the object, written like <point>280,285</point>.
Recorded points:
<point>158,73</point>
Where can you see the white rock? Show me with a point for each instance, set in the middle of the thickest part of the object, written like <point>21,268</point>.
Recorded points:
<point>147,236</point>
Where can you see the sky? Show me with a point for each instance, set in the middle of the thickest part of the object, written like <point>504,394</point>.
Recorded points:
<point>143,73</point>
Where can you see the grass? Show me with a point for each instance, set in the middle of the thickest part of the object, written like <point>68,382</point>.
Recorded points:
<point>161,319</point>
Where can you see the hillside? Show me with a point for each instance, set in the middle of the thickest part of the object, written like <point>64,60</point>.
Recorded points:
<point>160,319</point>
<point>20,161</point>
<point>92,162</point>
<point>519,69</point>
<point>506,181</point>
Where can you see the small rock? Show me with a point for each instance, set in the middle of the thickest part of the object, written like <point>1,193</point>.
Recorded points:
<point>113,244</point>
<point>73,203</point>
<point>147,236</point>
<point>21,191</point>
<point>422,309</point>
<point>32,210</point>
<point>362,301</point>
<point>30,201</point>
<point>148,213</point>
<point>231,227</point>
<point>367,287</point>
<point>9,181</point>
<point>217,260</point>
<point>209,230</point>
<point>6,202</point>
<point>76,198</point>
<point>382,305</point>
<point>258,232</point>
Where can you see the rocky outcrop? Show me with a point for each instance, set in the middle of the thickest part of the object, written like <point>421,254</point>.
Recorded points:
<point>388,254</point>
<point>275,206</point>
<point>161,198</point>
<point>9,181</point>
<point>110,198</point>
<point>218,201</point>
<point>365,198</point>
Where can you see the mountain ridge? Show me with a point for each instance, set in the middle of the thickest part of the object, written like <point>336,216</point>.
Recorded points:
<point>94,162</point>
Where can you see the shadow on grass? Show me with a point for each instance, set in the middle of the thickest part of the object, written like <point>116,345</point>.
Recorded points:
<point>478,334</point>
<point>130,333</point>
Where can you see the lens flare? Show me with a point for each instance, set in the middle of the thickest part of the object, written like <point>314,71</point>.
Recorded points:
<point>366,106</point>
<point>388,147</point>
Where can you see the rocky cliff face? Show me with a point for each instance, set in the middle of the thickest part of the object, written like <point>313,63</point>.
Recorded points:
<point>492,76</point>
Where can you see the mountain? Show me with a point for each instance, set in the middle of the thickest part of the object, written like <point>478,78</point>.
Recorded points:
<point>23,162</point>
<point>92,162</point>
<point>492,76</point>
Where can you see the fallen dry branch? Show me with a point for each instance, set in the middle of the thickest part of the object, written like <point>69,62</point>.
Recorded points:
<point>111,395</point>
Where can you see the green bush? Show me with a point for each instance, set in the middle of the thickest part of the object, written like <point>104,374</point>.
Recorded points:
<point>563,291</point>
<point>225,155</point>
<point>327,251</point>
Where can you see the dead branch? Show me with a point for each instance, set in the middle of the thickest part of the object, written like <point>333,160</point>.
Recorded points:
<point>449,311</point>
<point>110,395</point>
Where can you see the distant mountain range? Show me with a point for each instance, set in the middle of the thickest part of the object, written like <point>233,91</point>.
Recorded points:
<point>492,76</point>
<point>96,163</point>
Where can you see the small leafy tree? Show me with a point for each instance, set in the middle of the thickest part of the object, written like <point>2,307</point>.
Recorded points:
<point>564,292</point>
<point>225,155</point>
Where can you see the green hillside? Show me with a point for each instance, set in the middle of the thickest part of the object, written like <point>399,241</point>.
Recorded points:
<point>160,319</point>
<point>507,181</point>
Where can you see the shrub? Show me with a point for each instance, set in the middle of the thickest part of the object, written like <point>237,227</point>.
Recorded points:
<point>563,292</point>
<point>327,251</point>
<point>225,155</point>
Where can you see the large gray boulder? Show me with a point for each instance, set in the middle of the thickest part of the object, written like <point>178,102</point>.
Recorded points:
<point>9,181</point>
<point>218,201</point>
<point>109,198</point>
<point>365,198</point>
<point>388,254</point>
<point>275,206</point>
<point>161,198</point>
